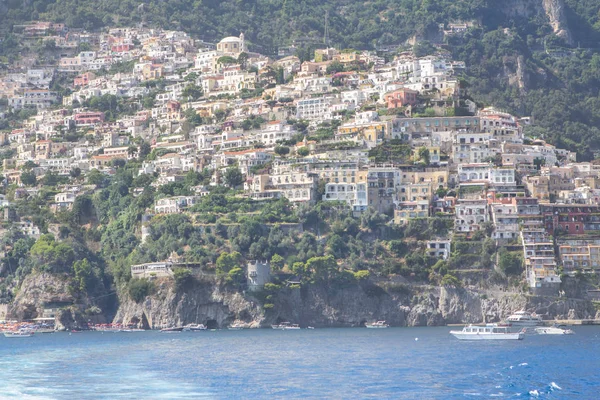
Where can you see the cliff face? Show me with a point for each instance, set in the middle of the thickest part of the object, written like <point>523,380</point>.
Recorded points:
<point>202,302</point>
<point>43,290</point>
<point>37,290</point>
<point>554,10</point>
<point>317,305</point>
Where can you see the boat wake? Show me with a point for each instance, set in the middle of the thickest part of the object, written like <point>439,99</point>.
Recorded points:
<point>554,386</point>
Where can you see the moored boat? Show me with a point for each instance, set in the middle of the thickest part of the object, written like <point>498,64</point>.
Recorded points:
<point>286,326</point>
<point>377,325</point>
<point>18,334</point>
<point>488,332</point>
<point>524,318</point>
<point>554,330</point>
<point>194,327</point>
<point>236,326</point>
<point>172,330</point>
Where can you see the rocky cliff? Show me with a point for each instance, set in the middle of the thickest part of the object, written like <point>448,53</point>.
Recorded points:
<point>40,291</point>
<point>37,291</point>
<point>554,10</point>
<point>216,305</point>
<point>204,301</point>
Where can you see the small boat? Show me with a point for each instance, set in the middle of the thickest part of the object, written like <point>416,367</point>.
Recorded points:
<point>44,330</point>
<point>377,325</point>
<point>194,327</point>
<point>236,326</point>
<point>488,332</point>
<point>18,334</point>
<point>524,318</point>
<point>133,330</point>
<point>554,330</point>
<point>310,327</point>
<point>286,326</point>
<point>172,330</point>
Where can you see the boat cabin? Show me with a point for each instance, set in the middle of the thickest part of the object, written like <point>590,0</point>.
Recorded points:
<point>485,329</point>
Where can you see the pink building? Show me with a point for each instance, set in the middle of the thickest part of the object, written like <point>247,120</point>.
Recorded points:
<point>401,98</point>
<point>89,118</point>
<point>84,79</point>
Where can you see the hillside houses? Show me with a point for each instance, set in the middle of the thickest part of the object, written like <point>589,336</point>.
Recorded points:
<point>398,138</point>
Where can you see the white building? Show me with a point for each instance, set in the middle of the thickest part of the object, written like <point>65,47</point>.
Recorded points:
<point>259,273</point>
<point>470,215</point>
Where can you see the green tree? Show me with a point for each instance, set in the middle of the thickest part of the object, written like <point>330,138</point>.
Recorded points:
<point>303,151</point>
<point>510,263</point>
<point>227,60</point>
<point>277,262</point>
<point>227,261</point>
<point>335,67</point>
<point>75,172</point>
<point>233,177</point>
<point>282,151</point>
<point>424,156</point>
<point>95,177</point>
<point>139,289</point>
<point>28,178</point>
<point>192,92</point>
<point>83,272</point>
<point>236,276</point>
<point>182,277</point>
<point>322,269</point>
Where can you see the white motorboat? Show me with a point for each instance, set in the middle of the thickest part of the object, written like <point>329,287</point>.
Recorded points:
<point>236,326</point>
<point>18,334</point>
<point>286,326</point>
<point>194,327</point>
<point>554,330</point>
<point>488,332</point>
<point>524,318</point>
<point>377,325</point>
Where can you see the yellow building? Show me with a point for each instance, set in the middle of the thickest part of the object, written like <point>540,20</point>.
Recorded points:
<point>580,255</point>
<point>372,131</point>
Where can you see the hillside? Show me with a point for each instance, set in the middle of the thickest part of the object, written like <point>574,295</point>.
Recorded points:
<point>531,57</point>
<point>393,167</point>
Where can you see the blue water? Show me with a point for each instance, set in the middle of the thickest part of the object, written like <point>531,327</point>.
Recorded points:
<point>320,363</point>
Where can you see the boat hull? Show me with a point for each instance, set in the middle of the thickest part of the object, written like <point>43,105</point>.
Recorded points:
<point>487,336</point>
<point>17,335</point>
<point>525,324</point>
<point>553,331</point>
<point>171,330</point>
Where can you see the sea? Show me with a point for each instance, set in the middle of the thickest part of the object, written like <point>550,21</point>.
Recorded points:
<point>352,363</point>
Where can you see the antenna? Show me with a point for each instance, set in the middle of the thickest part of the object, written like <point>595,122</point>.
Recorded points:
<point>327,28</point>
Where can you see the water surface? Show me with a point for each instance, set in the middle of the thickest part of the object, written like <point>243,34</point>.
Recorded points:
<point>321,363</point>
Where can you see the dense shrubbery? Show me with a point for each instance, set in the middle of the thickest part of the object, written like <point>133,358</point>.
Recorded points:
<point>139,289</point>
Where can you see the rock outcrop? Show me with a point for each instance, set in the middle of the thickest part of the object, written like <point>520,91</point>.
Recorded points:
<point>37,291</point>
<point>41,290</point>
<point>203,301</point>
<point>555,10</point>
<point>214,304</point>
